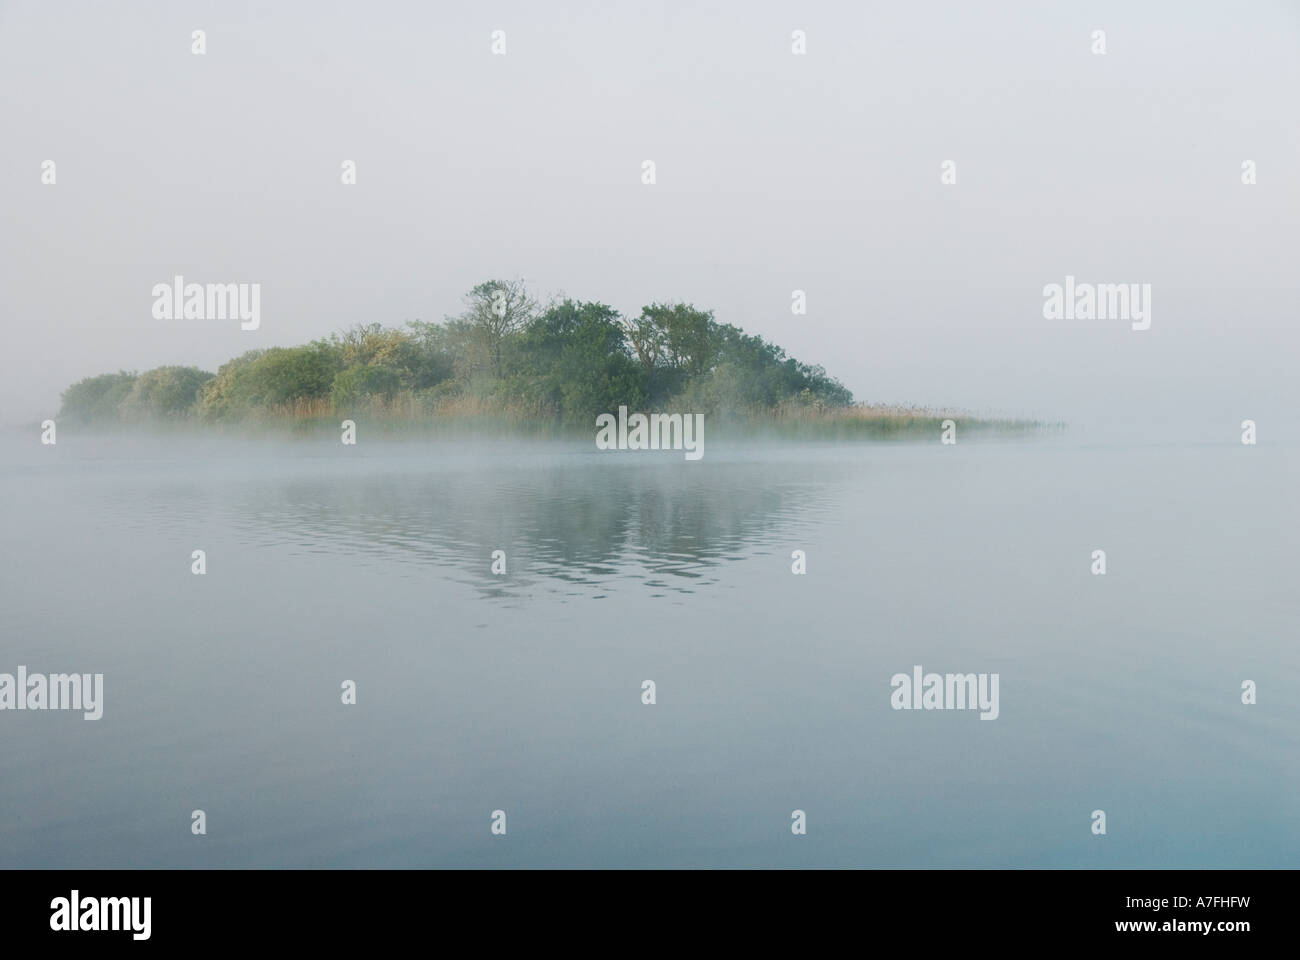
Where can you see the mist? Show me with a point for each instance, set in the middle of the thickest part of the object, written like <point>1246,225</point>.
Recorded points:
<point>775,173</point>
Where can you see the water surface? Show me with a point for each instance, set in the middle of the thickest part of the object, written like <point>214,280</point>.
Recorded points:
<point>522,692</point>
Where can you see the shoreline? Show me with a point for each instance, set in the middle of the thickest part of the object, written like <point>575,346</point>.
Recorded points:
<point>865,423</point>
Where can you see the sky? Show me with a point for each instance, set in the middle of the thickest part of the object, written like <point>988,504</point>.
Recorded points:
<point>774,172</point>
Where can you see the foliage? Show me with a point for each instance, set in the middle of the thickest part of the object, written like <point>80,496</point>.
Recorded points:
<point>566,361</point>
<point>357,384</point>
<point>97,399</point>
<point>164,393</point>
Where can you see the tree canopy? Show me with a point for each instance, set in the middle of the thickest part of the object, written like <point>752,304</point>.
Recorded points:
<point>568,359</point>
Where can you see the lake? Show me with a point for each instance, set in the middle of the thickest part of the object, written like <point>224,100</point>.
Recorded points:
<point>522,691</point>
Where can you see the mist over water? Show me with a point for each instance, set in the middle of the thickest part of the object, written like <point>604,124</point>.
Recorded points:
<point>521,692</point>
<point>780,178</point>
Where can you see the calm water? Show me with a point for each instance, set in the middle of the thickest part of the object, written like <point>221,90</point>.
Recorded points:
<point>523,692</point>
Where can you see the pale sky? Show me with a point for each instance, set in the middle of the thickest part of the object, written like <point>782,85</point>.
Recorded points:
<point>775,172</point>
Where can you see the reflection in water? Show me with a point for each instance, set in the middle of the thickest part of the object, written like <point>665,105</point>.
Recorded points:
<point>373,564</point>
<point>668,524</point>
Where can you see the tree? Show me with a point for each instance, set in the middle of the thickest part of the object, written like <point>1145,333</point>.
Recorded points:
<point>675,343</point>
<point>164,393</point>
<point>495,310</point>
<point>373,343</point>
<point>358,384</point>
<point>689,336</point>
<point>573,359</point>
<point>226,394</point>
<point>268,378</point>
<point>568,359</point>
<point>97,398</point>
<point>647,338</point>
<point>435,360</point>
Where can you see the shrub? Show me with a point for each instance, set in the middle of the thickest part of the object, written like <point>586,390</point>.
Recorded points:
<point>164,393</point>
<point>97,399</point>
<point>359,384</point>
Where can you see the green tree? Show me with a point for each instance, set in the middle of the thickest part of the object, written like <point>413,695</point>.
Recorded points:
<point>359,384</point>
<point>97,399</point>
<point>690,336</point>
<point>267,378</point>
<point>573,359</point>
<point>164,393</point>
<point>226,395</point>
<point>374,344</point>
<point>494,312</point>
<point>284,374</point>
<point>435,360</point>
